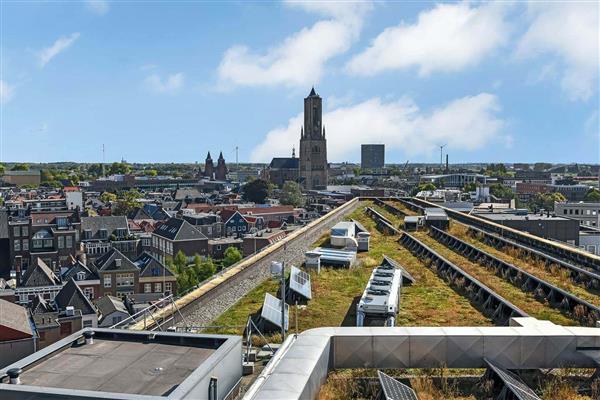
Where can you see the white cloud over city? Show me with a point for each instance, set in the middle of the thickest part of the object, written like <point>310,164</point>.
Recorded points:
<point>448,37</point>
<point>98,7</point>
<point>168,84</point>
<point>569,32</point>
<point>467,123</point>
<point>60,45</point>
<point>6,92</point>
<point>301,58</point>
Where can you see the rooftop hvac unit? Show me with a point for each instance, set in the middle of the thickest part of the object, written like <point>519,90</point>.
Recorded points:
<point>70,311</point>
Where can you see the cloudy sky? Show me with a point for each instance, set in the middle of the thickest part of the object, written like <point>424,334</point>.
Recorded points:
<point>168,81</point>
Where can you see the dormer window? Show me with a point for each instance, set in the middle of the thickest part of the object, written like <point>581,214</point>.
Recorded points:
<point>103,233</point>
<point>81,276</point>
<point>87,234</point>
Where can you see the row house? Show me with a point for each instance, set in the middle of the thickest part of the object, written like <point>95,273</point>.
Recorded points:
<point>176,235</point>
<point>100,234</point>
<point>209,224</point>
<point>37,280</point>
<point>121,277</point>
<point>49,235</point>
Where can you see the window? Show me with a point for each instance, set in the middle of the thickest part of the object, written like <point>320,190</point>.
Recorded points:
<point>565,211</point>
<point>107,281</point>
<point>69,242</point>
<point>103,233</point>
<point>24,231</point>
<point>17,245</point>
<point>125,279</point>
<point>61,242</point>
<point>158,287</point>
<point>61,222</point>
<point>25,244</point>
<point>168,286</point>
<point>89,292</point>
<point>147,288</point>
<point>592,249</point>
<point>218,247</point>
<point>48,243</point>
<point>87,234</point>
<point>81,276</point>
<point>209,230</point>
<point>17,231</point>
<point>577,212</point>
<point>87,324</point>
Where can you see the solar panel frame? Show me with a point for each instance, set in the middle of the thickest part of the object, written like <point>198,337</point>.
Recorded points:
<point>513,382</point>
<point>394,390</point>
<point>300,282</point>
<point>271,311</point>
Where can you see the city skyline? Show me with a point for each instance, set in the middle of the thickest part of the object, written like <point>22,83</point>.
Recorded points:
<point>174,82</point>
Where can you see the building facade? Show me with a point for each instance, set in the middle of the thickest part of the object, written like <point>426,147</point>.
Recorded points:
<point>372,156</point>
<point>313,145</point>
<point>587,214</point>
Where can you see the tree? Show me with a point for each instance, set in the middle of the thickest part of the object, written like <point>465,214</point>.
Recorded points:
<point>501,191</point>
<point>20,167</point>
<point>423,187</point>
<point>256,191</point>
<point>470,187</point>
<point>150,172</point>
<point>119,168</point>
<point>546,200</point>
<point>128,202</point>
<point>292,194</point>
<point>204,268</point>
<point>593,195</point>
<point>108,197</point>
<point>2,169</point>
<point>232,255</point>
<point>95,170</point>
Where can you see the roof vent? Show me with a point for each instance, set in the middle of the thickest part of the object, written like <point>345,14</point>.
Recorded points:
<point>89,337</point>
<point>14,374</point>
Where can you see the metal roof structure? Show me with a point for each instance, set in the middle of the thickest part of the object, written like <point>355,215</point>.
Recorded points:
<point>512,383</point>
<point>300,282</point>
<point>336,256</point>
<point>271,311</point>
<point>394,390</point>
<point>301,365</point>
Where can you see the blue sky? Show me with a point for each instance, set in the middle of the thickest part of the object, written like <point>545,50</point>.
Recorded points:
<point>169,81</point>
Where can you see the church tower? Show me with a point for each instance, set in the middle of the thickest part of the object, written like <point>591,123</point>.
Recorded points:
<point>209,167</point>
<point>313,145</point>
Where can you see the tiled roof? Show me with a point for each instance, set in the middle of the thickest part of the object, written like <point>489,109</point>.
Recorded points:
<point>150,266</point>
<point>95,224</point>
<point>14,317</point>
<point>178,229</point>
<point>39,274</point>
<point>108,262</point>
<point>109,304</point>
<point>284,163</point>
<point>71,295</point>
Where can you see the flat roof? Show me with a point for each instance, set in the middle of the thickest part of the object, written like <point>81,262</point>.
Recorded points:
<point>118,366</point>
<point>516,217</point>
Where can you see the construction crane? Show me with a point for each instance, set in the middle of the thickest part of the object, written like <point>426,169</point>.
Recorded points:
<point>404,168</point>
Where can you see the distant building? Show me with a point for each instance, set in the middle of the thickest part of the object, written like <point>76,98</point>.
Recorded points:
<point>372,156</point>
<point>457,181</point>
<point>176,235</point>
<point>218,173</point>
<point>282,169</point>
<point>587,214</point>
<point>21,178</point>
<point>313,145</point>
<point>17,339</point>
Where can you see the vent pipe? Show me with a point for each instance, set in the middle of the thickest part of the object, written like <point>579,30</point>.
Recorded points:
<point>13,375</point>
<point>89,337</point>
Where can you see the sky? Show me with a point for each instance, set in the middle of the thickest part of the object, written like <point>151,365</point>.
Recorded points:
<point>169,81</point>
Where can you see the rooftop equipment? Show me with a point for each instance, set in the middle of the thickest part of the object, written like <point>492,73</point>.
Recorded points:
<point>299,286</point>
<point>270,314</point>
<point>394,390</point>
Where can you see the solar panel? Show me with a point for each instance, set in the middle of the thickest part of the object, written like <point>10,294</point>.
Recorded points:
<point>513,383</point>
<point>271,311</point>
<point>394,390</point>
<point>300,282</point>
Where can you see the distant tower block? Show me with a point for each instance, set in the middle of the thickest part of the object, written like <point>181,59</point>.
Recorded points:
<point>313,145</point>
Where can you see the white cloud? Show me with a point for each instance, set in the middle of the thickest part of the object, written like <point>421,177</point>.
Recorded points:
<point>570,31</point>
<point>170,84</point>
<point>99,7</point>
<point>446,38</point>
<point>6,92</point>
<point>60,45</point>
<point>467,123</point>
<point>301,58</point>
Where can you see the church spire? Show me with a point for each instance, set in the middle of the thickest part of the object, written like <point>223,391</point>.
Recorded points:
<point>293,152</point>
<point>312,92</point>
<point>208,156</point>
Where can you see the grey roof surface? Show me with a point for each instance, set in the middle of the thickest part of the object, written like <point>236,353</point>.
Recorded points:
<point>75,268</point>
<point>14,317</point>
<point>284,163</point>
<point>109,304</point>
<point>150,266</point>
<point>118,366</point>
<point>178,229</point>
<point>71,295</point>
<point>107,262</point>
<point>110,223</point>
<point>39,274</point>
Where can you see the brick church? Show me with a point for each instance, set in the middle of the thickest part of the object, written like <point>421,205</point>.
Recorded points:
<point>212,172</point>
<point>310,169</point>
